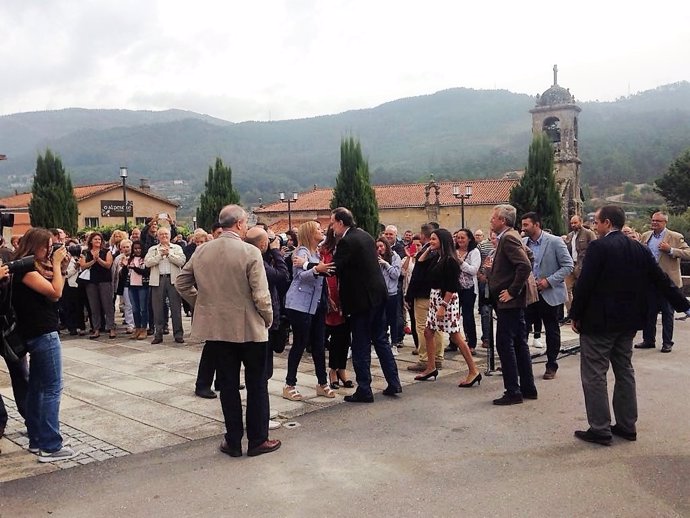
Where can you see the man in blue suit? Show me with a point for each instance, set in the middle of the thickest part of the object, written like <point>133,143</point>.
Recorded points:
<point>610,303</point>
<point>552,264</point>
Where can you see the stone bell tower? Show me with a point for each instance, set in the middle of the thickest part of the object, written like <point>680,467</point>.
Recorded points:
<point>556,115</point>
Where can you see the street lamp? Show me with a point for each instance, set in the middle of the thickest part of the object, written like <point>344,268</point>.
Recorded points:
<point>289,201</point>
<point>194,222</point>
<point>123,175</point>
<point>462,197</point>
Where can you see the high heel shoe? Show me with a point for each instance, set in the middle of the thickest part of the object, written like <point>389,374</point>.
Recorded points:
<point>426,377</point>
<point>477,379</point>
<point>346,383</point>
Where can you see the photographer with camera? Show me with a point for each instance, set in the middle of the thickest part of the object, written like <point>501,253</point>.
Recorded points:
<point>34,297</point>
<point>74,295</point>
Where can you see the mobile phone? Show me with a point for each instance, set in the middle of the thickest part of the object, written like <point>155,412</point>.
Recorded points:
<point>413,249</point>
<point>163,215</point>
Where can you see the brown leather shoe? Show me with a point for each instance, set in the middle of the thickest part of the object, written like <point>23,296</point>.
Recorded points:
<point>266,447</point>
<point>549,374</point>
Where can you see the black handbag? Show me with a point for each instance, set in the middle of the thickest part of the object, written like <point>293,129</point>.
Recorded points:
<point>12,347</point>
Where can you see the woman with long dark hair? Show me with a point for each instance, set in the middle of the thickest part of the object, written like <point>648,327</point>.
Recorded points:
<point>34,297</point>
<point>444,307</point>
<point>99,288</point>
<point>470,260</point>
<point>139,290</point>
<point>390,264</point>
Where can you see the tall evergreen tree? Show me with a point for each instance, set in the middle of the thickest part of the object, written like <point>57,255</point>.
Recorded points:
<point>219,193</point>
<point>53,204</point>
<point>674,186</point>
<point>537,190</point>
<point>353,188</point>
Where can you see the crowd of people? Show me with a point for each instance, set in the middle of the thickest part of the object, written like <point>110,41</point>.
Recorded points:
<point>340,292</point>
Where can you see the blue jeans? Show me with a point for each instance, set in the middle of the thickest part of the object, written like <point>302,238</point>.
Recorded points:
<point>307,329</point>
<point>392,317</point>
<point>367,327</point>
<point>45,387</point>
<point>139,297</point>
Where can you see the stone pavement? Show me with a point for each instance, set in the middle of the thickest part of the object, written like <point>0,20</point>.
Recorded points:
<point>126,396</point>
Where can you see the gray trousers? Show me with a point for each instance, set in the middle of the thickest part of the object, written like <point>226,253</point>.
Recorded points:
<point>597,351</point>
<point>100,297</point>
<point>158,294</point>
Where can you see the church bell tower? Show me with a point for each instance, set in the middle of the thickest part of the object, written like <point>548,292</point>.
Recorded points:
<point>556,114</point>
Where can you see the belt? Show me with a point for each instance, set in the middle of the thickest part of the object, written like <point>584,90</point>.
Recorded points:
<point>164,275</point>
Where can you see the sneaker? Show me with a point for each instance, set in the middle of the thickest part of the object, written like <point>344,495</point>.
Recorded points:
<point>536,343</point>
<point>63,453</point>
<point>394,350</point>
<point>273,424</point>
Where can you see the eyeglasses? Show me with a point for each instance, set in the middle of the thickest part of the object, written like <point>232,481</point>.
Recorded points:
<point>658,221</point>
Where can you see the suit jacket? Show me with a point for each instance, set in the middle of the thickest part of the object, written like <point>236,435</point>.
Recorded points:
<point>304,293</point>
<point>225,282</point>
<point>360,281</point>
<point>510,269</point>
<point>670,263</point>
<point>153,258</point>
<point>582,238</point>
<point>611,293</point>
<point>555,266</point>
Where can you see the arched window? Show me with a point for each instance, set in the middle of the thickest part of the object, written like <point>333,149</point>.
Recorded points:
<point>552,127</point>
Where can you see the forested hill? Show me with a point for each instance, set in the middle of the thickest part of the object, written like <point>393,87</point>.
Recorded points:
<point>453,133</point>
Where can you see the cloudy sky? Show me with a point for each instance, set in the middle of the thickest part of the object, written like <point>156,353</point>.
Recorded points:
<point>278,59</point>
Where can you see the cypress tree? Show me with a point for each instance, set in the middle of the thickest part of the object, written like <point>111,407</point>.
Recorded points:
<point>674,186</point>
<point>219,193</point>
<point>353,188</point>
<point>537,190</point>
<point>53,204</point>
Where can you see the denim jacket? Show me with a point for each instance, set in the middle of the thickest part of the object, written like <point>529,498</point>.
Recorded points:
<point>305,290</point>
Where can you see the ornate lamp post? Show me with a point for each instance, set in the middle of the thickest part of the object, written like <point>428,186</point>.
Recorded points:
<point>123,175</point>
<point>462,197</point>
<point>289,202</point>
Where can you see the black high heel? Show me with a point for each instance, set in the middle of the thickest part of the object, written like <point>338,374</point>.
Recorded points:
<point>477,379</point>
<point>426,377</point>
<point>346,383</point>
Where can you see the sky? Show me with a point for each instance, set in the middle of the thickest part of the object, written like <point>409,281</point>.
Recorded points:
<point>286,59</point>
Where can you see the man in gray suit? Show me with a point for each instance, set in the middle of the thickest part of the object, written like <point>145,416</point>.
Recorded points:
<point>552,264</point>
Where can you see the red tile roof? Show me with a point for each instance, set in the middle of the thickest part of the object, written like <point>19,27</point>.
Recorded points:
<point>81,192</point>
<point>282,224</point>
<point>484,192</point>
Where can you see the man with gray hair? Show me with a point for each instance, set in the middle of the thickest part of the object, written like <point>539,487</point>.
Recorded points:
<point>165,260</point>
<point>225,282</point>
<point>507,278</point>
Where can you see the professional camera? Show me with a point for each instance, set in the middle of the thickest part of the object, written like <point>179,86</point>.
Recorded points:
<point>23,265</point>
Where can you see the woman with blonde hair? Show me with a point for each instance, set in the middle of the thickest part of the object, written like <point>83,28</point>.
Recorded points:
<point>306,303</point>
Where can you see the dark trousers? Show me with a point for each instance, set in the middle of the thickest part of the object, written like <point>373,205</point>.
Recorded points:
<point>307,330</point>
<point>339,343</point>
<point>159,293</point>
<point>467,297</point>
<point>540,311</point>
<point>19,376</point>
<point>392,318</point>
<point>227,358</point>
<point>658,303</point>
<point>413,325</point>
<point>207,369</point>
<point>367,327</point>
<point>73,304</point>
<point>513,351</point>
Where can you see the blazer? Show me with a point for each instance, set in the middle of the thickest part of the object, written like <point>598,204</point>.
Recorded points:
<point>360,281</point>
<point>556,264</point>
<point>510,269</point>
<point>611,294</point>
<point>306,288</point>
<point>225,282</point>
<point>153,258</point>
<point>670,263</point>
<point>583,238</point>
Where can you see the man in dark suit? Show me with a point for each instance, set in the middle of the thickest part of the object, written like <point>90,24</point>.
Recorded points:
<point>363,295</point>
<point>507,278</point>
<point>609,306</point>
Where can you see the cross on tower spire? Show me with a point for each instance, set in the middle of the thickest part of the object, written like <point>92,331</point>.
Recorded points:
<point>555,75</point>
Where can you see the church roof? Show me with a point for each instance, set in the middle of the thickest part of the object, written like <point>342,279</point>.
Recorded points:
<point>555,95</point>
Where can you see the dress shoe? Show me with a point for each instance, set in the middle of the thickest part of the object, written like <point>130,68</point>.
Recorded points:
<point>417,367</point>
<point>508,399</point>
<point>644,345</point>
<point>359,398</point>
<point>619,432</point>
<point>391,390</point>
<point>233,452</point>
<point>549,374</point>
<point>666,348</point>
<point>206,393</point>
<point>590,436</point>
<point>157,340</point>
<point>530,395</point>
<point>267,446</point>
<point>149,332</point>
<point>179,340</point>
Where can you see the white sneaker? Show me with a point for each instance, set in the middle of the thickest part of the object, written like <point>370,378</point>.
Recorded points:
<point>394,350</point>
<point>536,343</point>
<point>62,454</point>
<point>273,424</point>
